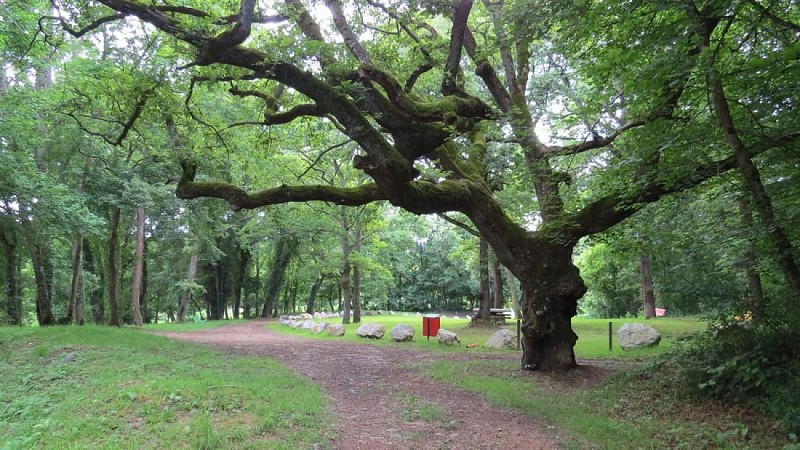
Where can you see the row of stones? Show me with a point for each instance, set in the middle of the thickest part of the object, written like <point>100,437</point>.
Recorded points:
<point>400,333</point>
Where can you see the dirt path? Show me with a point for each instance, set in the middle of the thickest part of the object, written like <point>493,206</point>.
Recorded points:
<point>371,387</point>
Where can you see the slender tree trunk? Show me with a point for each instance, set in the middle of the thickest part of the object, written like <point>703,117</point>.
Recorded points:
<point>191,273</point>
<point>312,295</point>
<point>512,288</point>
<point>113,269</point>
<point>497,286</point>
<point>749,171</point>
<point>648,295</point>
<point>138,259</point>
<point>96,297</point>
<point>357,271</point>
<point>750,262</point>
<point>239,276</point>
<point>285,249</point>
<point>216,296</point>
<point>13,277</point>
<point>146,314</point>
<point>75,289</point>
<point>347,291</point>
<point>483,315</point>
<point>44,312</point>
<point>356,293</point>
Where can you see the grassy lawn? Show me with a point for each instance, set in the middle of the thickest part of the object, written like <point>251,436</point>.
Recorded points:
<point>592,334</point>
<point>101,387</point>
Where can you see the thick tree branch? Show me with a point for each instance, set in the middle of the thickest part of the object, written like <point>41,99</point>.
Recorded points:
<point>238,198</point>
<point>286,117</point>
<point>487,73</point>
<point>450,85</point>
<point>346,31</point>
<point>442,110</point>
<point>230,38</point>
<point>608,211</point>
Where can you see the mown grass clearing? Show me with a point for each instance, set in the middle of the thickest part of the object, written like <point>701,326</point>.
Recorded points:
<point>592,334</point>
<point>99,387</point>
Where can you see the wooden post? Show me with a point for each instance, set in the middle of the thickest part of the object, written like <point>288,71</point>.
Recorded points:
<point>610,338</point>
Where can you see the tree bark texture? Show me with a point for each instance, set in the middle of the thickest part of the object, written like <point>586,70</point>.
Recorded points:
<point>13,276</point>
<point>497,285</point>
<point>96,296</point>
<point>113,269</point>
<point>550,294</point>
<point>750,262</point>
<point>191,273</point>
<point>646,278</point>
<point>483,288</point>
<point>138,262</point>
<point>312,295</point>
<point>75,288</point>
<point>512,288</point>
<point>285,249</point>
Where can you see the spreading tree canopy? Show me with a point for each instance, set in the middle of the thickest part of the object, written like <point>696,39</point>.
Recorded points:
<point>542,122</point>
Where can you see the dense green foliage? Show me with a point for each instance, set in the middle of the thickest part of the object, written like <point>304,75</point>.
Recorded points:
<point>739,363</point>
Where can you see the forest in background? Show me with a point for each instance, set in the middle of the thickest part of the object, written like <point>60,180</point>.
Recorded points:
<point>603,158</point>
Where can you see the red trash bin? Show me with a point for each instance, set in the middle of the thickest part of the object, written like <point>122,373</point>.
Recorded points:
<point>430,325</point>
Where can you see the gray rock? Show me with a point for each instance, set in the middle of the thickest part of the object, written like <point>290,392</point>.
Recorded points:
<point>70,357</point>
<point>308,325</point>
<point>502,339</point>
<point>306,316</point>
<point>371,330</point>
<point>320,327</point>
<point>402,333</point>
<point>447,337</point>
<point>335,329</point>
<point>635,335</point>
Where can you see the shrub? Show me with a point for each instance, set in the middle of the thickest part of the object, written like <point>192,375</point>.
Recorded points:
<point>752,365</point>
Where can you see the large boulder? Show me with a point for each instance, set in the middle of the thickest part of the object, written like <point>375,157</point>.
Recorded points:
<point>502,339</point>
<point>371,330</point>
<point>319,327</point>
<point>635,335</point>
<point>335,329</point>
<point>447,337</point>
<point>402,333</point>
<point>308,325</point>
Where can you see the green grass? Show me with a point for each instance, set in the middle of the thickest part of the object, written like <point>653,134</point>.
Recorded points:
<point>626,412</point>
<point>592,334</point>
<point>99,387</point>
<point>190,326</point>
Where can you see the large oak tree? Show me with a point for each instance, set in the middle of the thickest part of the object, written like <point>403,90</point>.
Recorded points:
<point>428,89</point>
